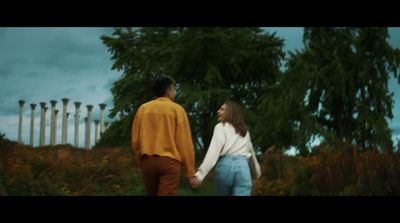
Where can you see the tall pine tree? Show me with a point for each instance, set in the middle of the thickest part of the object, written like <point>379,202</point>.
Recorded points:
<point>338,88</point>
<point>210,65</point>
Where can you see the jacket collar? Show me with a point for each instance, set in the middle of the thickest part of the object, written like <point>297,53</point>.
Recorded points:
<point>164,99</point>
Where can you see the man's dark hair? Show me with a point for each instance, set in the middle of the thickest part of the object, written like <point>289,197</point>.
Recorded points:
<point>161,84</point>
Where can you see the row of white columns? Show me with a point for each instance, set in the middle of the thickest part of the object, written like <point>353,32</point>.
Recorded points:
<point>64,129</point>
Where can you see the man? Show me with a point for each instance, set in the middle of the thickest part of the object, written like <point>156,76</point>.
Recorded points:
<point>162,141</point>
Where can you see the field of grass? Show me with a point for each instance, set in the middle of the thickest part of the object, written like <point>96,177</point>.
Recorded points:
<point>67,171</point>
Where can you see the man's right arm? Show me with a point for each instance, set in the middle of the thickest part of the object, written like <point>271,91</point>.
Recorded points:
<point>184,143</point>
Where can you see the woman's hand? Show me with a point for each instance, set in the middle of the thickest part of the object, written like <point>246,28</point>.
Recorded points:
<point>195,182</point>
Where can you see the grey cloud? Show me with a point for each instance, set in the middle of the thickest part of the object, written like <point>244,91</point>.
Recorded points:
<point>91,88</point>
<point>108,101</point>
<point>10,106</point>
<point>33,74</point>
<point>12,67</point>
<point>9,110</point>
<point>5,72</point>
<point>69,90</point>
<point>110,83</point>
<point>2,33</point>
<point>67,62</point>
<point>71,52</point>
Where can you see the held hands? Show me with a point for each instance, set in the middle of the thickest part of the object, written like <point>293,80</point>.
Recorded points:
<point>194,181</point>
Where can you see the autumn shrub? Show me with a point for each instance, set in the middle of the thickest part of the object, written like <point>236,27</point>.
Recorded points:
<point>65,170</point>
<point>342,169</point>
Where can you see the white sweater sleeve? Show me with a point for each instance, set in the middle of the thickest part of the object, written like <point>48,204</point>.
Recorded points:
<point>214,150</point>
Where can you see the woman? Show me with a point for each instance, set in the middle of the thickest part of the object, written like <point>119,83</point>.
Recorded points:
<point>231,146</point>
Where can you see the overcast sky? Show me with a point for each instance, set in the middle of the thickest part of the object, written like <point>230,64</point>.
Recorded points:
<point>41,64</point>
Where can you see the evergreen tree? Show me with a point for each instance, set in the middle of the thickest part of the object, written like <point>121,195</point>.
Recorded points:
<point>210,65</point>
<point>337,87</point>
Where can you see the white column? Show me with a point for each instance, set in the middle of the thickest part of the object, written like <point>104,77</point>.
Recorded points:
<point>32,133</point>
<point>55,126</point>
<point>76,139</point>
<point>96,131</point>
<point>42,123</point>
<point>102,107</point>
<point>52,123</point>
<point>66,126</point>
<point>86,133</point>
<point>21,108</point>
<point>89,124</point>
<point>64,130</point>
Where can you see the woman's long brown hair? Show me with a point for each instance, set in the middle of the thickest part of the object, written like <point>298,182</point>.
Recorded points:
<point>235,116</point>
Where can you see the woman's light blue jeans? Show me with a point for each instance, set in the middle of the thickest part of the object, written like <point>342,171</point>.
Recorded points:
<point>232,176</point>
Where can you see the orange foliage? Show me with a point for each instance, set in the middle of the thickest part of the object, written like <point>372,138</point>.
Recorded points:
<point>344,170</point>
<point>64,170</point>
